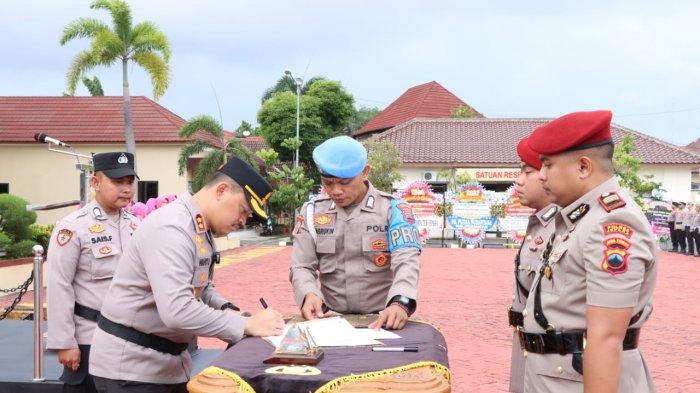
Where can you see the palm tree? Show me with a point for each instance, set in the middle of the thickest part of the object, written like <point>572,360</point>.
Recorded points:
<point>143,43</point>
<point>287,83</point>
<point>215,155</point>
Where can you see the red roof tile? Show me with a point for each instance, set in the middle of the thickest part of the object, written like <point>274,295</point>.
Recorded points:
<point>475,142</point>
<point>429,100</point>
<point>255,143</point>
<point>87,120</point>
<point>694,146</point>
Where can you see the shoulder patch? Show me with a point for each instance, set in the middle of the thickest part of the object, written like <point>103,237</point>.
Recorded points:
<point>611,201</point>
<point>615,255</point>
<point>579,212</point>
<point>297,225</point>
<point>615,228</point>
<point>63,237</point>
<point>407,212</point>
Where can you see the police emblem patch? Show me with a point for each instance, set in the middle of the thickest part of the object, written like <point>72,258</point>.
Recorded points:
<point>407,212</point>
<point>611,201</point>
<point>97,228</point>
<point>123,159</point>
<point>381,259</point>
<point>539,240</point>
<point>106,250</point>
<point>323,219</point>
<point>63,237</point>
<point>379,244</point>
<point>615,255</point>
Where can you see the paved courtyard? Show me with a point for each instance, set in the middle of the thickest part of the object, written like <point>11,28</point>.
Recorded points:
<point>467,292</point>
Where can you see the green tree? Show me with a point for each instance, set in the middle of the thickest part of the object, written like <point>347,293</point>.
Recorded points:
<point>360,118</point>
<point>462,112</point>
<point>246,127</point>
<point>627,167</point>
<point>291,185</point>
<point>326,109</point>
<point>214,154</point>
<point>384,161</point>
<point>454,180</point>
<point>94,86</point>
<point>144,44</point>
<point>16,235</point>
<point>287,83</point>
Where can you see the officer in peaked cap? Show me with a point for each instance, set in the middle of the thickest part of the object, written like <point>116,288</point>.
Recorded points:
<point>83,253</point>
<point>362,241</point>
<point>162,294</point>
<point>540,227</point>
<point>593,289</point>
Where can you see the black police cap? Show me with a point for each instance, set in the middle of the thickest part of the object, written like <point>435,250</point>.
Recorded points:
<point>256,188</point>
<point>114,164</point>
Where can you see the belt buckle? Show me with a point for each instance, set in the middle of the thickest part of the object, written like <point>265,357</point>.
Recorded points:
<point>584,340</point>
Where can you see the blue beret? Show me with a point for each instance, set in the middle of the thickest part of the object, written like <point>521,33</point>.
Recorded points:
<point>341,157</point>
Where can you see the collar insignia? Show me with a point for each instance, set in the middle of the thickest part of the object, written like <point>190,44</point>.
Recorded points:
<point>611,201</point>
<point>549,213</point>
<point>579,212</point>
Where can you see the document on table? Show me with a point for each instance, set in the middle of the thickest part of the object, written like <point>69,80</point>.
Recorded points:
<point>337,332</point>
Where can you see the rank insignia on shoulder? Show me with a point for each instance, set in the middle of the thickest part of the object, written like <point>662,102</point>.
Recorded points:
<point>63,237</point>
<point>611,201</point>
<point>370,202</point>
<point>201,227</point>
<point>579,212</point>
<point>97,228</point>
<point>323,219</point>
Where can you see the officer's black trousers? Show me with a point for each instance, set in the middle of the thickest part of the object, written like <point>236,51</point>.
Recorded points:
<point>672,230</point>
<point>691,242</point>
<point>697,240</point>
<point>106,385</point>
<point>680,235</point>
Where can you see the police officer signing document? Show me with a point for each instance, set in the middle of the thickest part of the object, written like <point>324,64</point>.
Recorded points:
<point>593,291</point>
<point>82,256</point>
<point>162,293</point>
<point>362,242</point>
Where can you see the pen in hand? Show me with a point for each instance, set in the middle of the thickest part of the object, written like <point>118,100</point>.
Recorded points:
<point>263,302</point>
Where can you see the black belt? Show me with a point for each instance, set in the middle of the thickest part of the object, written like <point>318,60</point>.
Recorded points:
<point>147,340</point>
<point>565,343</point>
<point>515,318</point>
<point>86,312</point>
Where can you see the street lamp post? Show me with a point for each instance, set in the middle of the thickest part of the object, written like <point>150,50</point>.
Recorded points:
<point>298,82</point>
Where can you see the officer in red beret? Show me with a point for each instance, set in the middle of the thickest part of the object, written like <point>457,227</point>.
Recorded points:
<point>540,227</point>
<point>593,289</point>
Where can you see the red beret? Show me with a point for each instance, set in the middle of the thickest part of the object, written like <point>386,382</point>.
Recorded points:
<point>527,155</point>
<point>574,131</point>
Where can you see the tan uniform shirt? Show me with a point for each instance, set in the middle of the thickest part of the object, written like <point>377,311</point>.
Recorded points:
<point>696,224</point>
<point>599,258</point>
<point>688,217</point>
<point>83,253</point>
<point>539,228</point>
<point>680,217</point>
<point>351,255</point>
<point>163,286</point>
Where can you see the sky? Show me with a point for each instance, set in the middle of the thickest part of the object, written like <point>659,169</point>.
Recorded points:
<point>640,59</point>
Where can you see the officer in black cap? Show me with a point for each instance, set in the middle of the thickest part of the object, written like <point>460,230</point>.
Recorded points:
<point>83,253</point>
<point>163,295</point>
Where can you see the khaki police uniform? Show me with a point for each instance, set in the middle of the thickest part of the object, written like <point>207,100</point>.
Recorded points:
<point>672,229</point>
<point>539,228</point>
<point>603,254</point>
<point>163,287</point>
<point>83,253</point>
<point>680,229</point>
<point>696,232</point>
<point>352,254</point>
<point>689,223</point>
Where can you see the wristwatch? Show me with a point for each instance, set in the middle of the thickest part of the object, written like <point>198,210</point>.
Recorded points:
<point>229,305</point>
<point>405,302</point>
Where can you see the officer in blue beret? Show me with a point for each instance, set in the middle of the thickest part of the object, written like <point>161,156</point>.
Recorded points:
<point>363,242</point>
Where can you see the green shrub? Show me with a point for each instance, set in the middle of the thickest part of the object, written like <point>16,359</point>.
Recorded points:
<point>20,249</point>
<point>42,234</point>
<point>4,242</point>
<point>16,218</point>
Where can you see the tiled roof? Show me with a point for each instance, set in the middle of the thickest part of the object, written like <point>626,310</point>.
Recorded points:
<point>429,100</point>
<point>87,120</point>
<point>255,143</point>
<point>474,142</point>
<point>694,146</point>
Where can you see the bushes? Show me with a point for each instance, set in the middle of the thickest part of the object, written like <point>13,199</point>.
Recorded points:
<point>17,232</point>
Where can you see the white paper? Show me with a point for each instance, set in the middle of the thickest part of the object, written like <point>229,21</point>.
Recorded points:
<point>337,332</point>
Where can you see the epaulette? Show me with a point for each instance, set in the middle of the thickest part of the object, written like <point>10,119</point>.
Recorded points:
<point>611,201</point>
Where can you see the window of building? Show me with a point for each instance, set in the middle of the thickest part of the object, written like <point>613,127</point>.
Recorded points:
<point>4,188</point>
<point>147,189</point>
